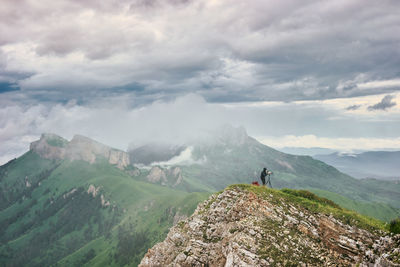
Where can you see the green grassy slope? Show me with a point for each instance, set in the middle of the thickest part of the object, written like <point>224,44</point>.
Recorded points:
<point>48,217</point>
<point>21,176</point>
<point>242,163</point>
<point>314,203</point>
<point>380,211</point>
<point>59,222</point>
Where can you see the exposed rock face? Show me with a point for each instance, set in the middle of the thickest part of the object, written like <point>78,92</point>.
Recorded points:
<point>92,190</point>
<point>240,228</point>
<point>51,146</point>
<point>171,176</point>
<point>157,175</point>
<point>119,158</point>
<point>177,173</point>
<point>45,147</point>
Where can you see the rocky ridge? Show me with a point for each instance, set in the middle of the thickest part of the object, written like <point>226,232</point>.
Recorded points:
<point>252,226</point>
<point>163,176</point>
<point>51,146</point>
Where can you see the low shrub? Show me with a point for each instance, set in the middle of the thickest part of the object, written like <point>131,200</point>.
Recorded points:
<point>394,226</point>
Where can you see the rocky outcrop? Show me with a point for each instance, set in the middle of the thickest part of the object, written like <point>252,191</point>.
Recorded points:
<point>157,175</point>
<point>176,172</point>
<point>119,158</point>
<point>83,148</point>
<point>171,176</point>
<point>51,146</point>
<point>92,190</point>
<point>241,228</point>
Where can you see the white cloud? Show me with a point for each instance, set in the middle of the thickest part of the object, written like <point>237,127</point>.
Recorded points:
<point>380,84</point>
<point>184,158</point>
<point>224,50</point>
<point>114,122</point>
<point>342,144</point>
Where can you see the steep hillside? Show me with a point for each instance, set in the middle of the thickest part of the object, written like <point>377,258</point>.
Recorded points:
<point>377,210</point>
<point>231,156</point>
<point>255,226</point>
<point>72,204</point>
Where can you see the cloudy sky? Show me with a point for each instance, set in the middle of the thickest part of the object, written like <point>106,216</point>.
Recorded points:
<point>293,73</point>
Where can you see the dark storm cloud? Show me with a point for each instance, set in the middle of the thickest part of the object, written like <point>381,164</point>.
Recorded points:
<point>223,50</point>
<point>353,107</point>
<point>385,104</point>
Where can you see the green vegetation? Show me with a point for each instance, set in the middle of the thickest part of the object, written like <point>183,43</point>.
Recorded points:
<point>56,141</point>
<point>53,220</point>
<point>310,196</point>
<point>225,163</point>
<point>317,205</point>
<point>20,177</point>
<point>394,226</point>
<point>48,215</point>
<point>380,211</point>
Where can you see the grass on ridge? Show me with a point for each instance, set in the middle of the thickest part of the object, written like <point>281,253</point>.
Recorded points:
<point>316,204</point>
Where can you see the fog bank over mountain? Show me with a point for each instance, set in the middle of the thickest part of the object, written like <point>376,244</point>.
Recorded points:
<point>119,123</point>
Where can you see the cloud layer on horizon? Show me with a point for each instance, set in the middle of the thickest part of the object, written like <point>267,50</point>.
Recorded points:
<point>225,51</point>
<point>191,116</point>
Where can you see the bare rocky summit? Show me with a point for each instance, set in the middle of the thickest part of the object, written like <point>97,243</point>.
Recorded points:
<point>51,146</point>
<point>254,226</point>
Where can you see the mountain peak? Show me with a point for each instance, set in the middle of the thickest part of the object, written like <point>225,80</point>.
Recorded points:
<point>52,146</point>
<point>77,138</point>
<point>52,136</point>
<point>228,135</point>
<point>255,226</point>
<point>53,140</point>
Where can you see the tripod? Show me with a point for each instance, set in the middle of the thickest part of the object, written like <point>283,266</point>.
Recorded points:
<point>269,179</point>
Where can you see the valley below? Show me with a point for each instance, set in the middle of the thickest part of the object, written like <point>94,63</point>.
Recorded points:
<point>82,203</point>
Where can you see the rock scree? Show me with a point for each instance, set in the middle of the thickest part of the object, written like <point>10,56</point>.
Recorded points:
<point>250,226</point>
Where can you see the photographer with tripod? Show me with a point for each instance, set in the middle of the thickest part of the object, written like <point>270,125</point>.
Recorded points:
<point>266,174</point>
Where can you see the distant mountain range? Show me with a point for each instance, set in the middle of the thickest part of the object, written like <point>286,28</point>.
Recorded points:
<point>372,164</point>
<point>231,156</point>
<point>307,151</point>
<point>80,202</point>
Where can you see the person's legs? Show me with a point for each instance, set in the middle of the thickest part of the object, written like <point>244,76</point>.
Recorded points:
<point>263,180</point>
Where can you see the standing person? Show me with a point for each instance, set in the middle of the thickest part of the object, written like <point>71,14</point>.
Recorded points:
<point>262,176</point>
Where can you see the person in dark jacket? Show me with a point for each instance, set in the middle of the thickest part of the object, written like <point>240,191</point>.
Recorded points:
<point>263,175</point>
